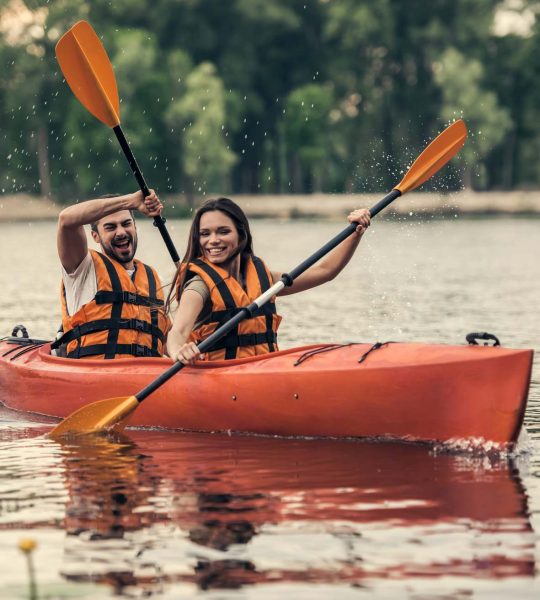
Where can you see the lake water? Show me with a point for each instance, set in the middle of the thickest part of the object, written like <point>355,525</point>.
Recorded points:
<point>169,515</point>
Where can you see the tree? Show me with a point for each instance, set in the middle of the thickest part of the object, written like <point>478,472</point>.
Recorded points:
<point>375,81</point>
<point>201,117</point>
<point>306,126</point>
<point>463,94</point>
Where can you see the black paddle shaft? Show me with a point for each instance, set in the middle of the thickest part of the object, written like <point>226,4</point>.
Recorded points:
<point>159,221</point>
<point>203,347</point>
<point>286,280</point>
<point>374,210</point>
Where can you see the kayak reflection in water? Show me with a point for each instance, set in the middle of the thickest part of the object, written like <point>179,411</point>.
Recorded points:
<point>220,274</point>
<point>112,304</point>
<point>107,481</point>
<point>110,486</point>
<point>116,489</point>
<point>221,513</point>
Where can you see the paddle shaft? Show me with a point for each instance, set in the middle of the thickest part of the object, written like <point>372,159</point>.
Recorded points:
<point>376,209</point>
<point>159,221</point>
<point>247,311</point>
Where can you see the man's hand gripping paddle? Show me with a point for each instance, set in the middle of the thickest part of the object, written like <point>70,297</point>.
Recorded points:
<point>89,73</point>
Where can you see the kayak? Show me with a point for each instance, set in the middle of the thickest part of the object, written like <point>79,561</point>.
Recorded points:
<point>406,391</point>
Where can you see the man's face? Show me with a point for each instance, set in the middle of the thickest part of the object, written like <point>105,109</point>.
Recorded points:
<point>117,236</point>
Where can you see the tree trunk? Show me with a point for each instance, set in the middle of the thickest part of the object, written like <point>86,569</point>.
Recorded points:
<point>189,191</point>
<point>509,158</point>
<point>317,176</point>
<point>296,176</point>
<point>282,171</point>
<point>468,178</point>
<point>43,161</point>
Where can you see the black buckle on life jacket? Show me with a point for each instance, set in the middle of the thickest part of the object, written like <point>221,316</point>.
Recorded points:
<point>130,297</point>
<point>139,350</point>
<point>139,325</point>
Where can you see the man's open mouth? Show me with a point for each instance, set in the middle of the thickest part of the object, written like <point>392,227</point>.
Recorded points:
<point>122,244</point>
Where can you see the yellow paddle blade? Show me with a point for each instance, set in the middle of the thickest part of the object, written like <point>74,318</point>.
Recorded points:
<point>96,417</point>
<point>89,73</point>
<point>438,153</point>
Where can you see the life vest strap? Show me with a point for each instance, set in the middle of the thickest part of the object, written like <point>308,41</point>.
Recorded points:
<point>97,349</point>
<point>265,285</point>
<point>225,295</point>
<point>220,316</point>
<point>103,297</point>
<point>232,341</point>
<point>218,281</point>
<point>106,325</point>
<point>152,293</point>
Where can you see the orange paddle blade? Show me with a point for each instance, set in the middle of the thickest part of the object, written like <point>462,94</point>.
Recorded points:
<point>89,73</point>
<point>438,153</point>
<point>97,417</point>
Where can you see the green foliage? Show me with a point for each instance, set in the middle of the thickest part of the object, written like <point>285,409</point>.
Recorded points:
<point>200,115</point>
<point>280,96</point>
<point>461,81</point>
<point>306,127</point>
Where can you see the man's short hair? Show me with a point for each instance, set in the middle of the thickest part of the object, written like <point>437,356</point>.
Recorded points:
<point>93,226</point>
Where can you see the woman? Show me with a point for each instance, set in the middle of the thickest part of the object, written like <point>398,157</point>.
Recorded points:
<point>220,274</point>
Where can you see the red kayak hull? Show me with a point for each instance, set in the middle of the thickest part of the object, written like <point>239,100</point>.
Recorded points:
<point>420,392</point>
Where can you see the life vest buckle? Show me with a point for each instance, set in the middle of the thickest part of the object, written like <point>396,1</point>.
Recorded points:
<point>139,325</point>
<point>139,350</point>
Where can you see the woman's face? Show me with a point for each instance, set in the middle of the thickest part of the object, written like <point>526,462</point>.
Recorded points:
<point>218,237</point>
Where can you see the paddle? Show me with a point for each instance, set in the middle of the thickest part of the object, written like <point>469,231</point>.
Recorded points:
<point>89,73</point>
<point>112,413</point>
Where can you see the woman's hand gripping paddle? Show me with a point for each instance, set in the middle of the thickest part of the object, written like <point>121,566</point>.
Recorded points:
<point>89,73</point>
<point>112,413</point>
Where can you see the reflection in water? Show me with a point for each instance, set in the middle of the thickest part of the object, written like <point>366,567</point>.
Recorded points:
<point>110,486</point>
<point>106,482</point>
<point>226,512</point>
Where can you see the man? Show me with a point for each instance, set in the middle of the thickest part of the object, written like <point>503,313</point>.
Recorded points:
<point>112,304</point>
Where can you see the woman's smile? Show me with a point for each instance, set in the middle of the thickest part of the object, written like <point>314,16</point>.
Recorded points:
<point>216,251</point>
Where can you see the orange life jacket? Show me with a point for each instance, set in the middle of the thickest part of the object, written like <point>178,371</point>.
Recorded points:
<point>124,319</point>
<point>256,335</point>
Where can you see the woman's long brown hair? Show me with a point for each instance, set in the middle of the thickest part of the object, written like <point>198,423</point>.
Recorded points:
<point>193,251</point>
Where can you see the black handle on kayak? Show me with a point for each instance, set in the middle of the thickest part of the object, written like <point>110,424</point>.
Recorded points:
<point>472,338</point>
<point>286,280</point>
<point>159,221</point>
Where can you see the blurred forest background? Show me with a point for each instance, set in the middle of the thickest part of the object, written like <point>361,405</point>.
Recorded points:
<point>272,96</point>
